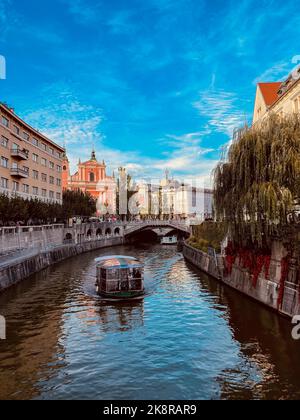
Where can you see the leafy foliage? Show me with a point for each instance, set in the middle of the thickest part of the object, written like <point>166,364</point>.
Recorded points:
<point>16,209</point>
<point>259,184</point>
<point>77,203</point>
<point>208,234</point>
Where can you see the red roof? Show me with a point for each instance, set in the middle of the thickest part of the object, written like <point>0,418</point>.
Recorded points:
<point>270,92</point>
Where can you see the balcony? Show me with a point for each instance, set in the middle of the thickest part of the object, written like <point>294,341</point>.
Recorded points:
<point>19,154</point>
<point>19,173</point>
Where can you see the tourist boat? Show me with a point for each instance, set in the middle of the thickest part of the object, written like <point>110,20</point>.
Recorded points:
<point>169,240</point>
<point>119,277</point>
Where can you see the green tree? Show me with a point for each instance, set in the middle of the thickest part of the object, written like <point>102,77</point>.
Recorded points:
<point>258,186</point>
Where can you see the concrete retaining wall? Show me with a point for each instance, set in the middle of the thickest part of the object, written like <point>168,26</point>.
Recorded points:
<point>266,291</point>
<point>23,267</point>
<point>17,238</point>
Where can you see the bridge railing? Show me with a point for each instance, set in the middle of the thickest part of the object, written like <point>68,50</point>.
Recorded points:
<point>134,226</point>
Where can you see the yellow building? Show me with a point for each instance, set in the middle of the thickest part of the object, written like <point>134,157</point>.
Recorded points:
<point>281,98</point>
<point>30,163</point>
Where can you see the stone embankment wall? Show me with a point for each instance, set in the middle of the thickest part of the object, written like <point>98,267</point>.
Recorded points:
<point>22,267</point>
<point>284,299</point>
<point>16,238</point>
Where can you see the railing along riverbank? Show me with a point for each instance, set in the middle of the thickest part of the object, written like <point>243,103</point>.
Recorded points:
<point>20,265</point>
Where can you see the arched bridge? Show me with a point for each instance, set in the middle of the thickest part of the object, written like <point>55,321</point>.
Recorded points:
<point>170,225</point>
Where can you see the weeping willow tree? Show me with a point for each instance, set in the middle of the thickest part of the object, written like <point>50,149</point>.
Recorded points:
<point>258,186</point>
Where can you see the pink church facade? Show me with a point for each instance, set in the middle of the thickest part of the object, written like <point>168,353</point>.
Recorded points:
<point>91,178</point>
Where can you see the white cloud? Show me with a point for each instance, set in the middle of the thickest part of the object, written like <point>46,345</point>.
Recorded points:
<point>277,72</point>
<point>222,110</point>
<point>66,120</point>
<point>120,23</point>
<point>81,11</point>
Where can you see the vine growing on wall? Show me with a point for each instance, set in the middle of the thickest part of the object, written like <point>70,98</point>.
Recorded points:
<point>258,185</point>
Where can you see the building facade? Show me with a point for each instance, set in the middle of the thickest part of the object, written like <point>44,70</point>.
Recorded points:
<point>31,164</point>
<point>172,199</point>
<point>91,178</point>
<point>281,98</point>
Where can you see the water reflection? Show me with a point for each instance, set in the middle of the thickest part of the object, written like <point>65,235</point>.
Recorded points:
<point>269,355</point>
<point>189,338</point>
<point>117,316</point>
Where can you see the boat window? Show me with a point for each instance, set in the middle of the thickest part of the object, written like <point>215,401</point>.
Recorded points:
<point>137,274</point>
<point>112,286</point>
<point>113,274</point>
<point>124,274</point>
<point>135,284</point>
<point>103,273</point>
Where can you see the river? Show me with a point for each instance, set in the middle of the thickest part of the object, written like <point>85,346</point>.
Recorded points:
<point>189,338</point>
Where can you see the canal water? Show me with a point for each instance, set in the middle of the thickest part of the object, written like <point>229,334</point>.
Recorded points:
<point>189,338</point>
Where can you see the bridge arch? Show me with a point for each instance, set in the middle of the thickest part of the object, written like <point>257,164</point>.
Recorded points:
<point>108,232</point>
<point>69,237</point>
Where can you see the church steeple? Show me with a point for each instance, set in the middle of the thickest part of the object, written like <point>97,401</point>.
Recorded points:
<point>93,157</point>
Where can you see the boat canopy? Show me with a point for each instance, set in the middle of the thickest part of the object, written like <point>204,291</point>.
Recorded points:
<point>118,261</point>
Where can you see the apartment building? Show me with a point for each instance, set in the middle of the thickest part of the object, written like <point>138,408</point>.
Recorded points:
<point>281,98</point>
<point>172,198</point>
<point>30,163</point>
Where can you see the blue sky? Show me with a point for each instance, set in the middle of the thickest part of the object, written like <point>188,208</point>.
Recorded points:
<point>154,84</point>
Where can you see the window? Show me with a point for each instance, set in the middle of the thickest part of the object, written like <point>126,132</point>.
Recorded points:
<point>4,141</point>
<point>51,150</point>
<point>15,147</point>
<point>14,165</point>
<point>92,177</point>
<point>51,180</point>
<point>35,158</point>
<point>4,162</point>
<point>43,146</point>
<point>51,194</point>
<point>26,136</point>
<point>4,183</point>
<point>16,186</point>
<point>16,130</point>
<point>26,169</point>
<point>35,175</point>
<point>26,188</point>
<point>51,165</point>
<point>35,142</point>
<point>44,177</point>
<point>58,196</point>
<point>58,182</point>
<point>44,162</point>
<point>5,122</point>
<point>44,193</point>
<point>58,168</point>
<point>194,197</point>
<point>35,190</point>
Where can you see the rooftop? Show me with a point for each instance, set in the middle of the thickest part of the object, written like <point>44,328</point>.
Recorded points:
<point>10,111</point>
<point>270,92</point>
<point>118,261</point>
